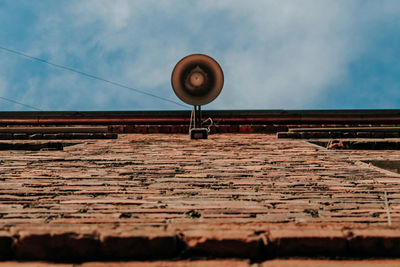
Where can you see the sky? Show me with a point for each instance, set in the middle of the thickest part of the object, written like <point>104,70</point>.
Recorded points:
<point>275,54</point>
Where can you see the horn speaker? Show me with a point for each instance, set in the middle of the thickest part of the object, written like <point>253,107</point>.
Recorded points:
<point>197,79</point>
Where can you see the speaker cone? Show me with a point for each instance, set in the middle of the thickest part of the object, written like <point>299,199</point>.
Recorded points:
<point>197,79</point>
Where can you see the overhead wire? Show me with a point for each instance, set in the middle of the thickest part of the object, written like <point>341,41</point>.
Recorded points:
<point>19,103</point>
<point>89,75</point>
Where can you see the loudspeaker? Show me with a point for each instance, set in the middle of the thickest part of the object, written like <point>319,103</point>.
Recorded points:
<point>197,79</point>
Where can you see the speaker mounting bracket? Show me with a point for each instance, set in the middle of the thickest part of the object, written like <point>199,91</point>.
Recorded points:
<point>198,132</point>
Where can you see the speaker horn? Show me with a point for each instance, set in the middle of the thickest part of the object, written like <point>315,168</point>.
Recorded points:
<point>197,79</point>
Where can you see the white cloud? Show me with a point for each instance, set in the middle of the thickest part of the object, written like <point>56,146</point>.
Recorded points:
<point>276,55</point>
<point>288,53</point>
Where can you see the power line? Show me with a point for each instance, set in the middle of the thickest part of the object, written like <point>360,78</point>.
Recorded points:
<point>89,75</point>
<point>19,103</point>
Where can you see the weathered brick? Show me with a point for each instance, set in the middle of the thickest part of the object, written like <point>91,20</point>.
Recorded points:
<point>36,136</point>
<point>6,136</point>
<point>222,244</point>
<point>213,129</point>
<point>5,246</point>
<point>164,128</point>
<point>281,128</point>
<point>259,129</point>
<point>181,263</point>
<point>151,129</point>
<point>391,135</point>
<point>349,134</point>
<point>363,134</point>
<point>20,136</point>
<point>142,129</point>
<point>306,243</point>
<point>55,245</point>
<point>50,136</point>
<point>130,128</point>
<point>270,129</point>
<point>143,245</point>
<point>34,264</point>
<point>116,128</point>
<point>283,135</point>
<point>177,129</point>
<point>307,135</point>
<point>246,129</point>
<point>377,135</point>
<point>335,134</point>
<point>374,242</point>
<point>329,263</point>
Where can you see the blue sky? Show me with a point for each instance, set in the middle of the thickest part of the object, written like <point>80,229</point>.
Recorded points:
<point>280,54</point>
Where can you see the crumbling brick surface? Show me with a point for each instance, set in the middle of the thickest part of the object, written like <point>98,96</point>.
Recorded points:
<point>166,196</point>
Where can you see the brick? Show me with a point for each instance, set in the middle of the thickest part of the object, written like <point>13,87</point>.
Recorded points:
<point>110,136</point>
<point>152,244</point>
<point>176,129</point>
<point>82,136</point>
<point>283,135</point>
<point>142,129</point>
<point>377,135</point>
<point>323,135</point>
<point>391,134</point>
<point>294,135</point>
<point>308,135</point>
<point>213,129</point>
<point>20,136</point>
<point>375,243</point>
<point>335,134</point>
<point>222,129</point>
<point>259,129</point>
<point>281,128</point>
<point>52,136</point>
<point>270,129</point>
<point>151,129</point>
<point>186,263</point>
<point>228,129</point>
<point>34,264</point>
<point>223,244</point>
<point>102,136</point>
<point>254,129</point>
<point>306,243</point>
<point>36,136</point>
<point>164,129</point>
<point>5,245</point>
<point>246,129</point>
<point>59,245</point>
<point>6,136</point>
<point>184,129</point>
<point>329,263</point>
<point>363,134</point>
<point>130,128</point>
<point>349,134</point>
<point>116,129</point>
